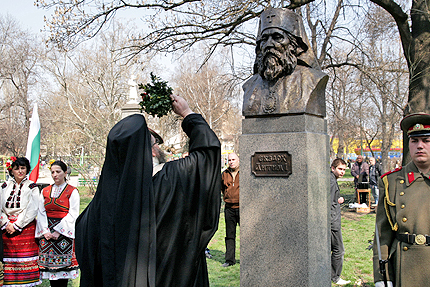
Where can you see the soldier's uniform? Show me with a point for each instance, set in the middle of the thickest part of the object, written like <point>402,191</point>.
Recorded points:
<point>403,218</point>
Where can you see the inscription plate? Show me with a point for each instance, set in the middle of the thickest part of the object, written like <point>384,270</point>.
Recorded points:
<point>276,163</point>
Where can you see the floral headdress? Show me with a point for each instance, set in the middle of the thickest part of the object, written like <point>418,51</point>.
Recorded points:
<point>50,163</point>
<point>9,162</point>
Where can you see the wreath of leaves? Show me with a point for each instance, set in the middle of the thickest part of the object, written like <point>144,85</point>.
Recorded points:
<point>156,99</point>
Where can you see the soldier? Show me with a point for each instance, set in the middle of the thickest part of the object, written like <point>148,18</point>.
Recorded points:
<point>402,214</point>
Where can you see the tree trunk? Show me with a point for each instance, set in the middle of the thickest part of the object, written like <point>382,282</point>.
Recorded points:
<point>416,48</point>
<point>419,68</point>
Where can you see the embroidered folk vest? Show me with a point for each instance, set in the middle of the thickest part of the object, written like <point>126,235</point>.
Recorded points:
<point>57,207</point>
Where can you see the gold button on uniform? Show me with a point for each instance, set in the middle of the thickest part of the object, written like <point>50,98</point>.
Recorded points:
<point>402,193</point>
<point>402,181</point>
<point>404,219</point>
<point>405,248</point>
<point>403,206</point>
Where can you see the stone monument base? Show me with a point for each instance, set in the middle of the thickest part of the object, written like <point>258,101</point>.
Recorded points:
<point>130,108</point>
<point>285,220</point>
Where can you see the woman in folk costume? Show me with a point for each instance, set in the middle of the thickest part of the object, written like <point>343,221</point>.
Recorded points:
<point>58,210</point>
<point>19,197</point>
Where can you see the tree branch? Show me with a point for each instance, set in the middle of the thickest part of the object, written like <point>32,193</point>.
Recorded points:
<point>401,19</point>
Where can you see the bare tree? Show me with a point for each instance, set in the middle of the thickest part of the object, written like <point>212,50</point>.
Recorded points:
<point>19,69</point>
<point>174,24</point>
<point>414,28</point>
<point>92,87</point>
<point>413,23</point>
<point>179,25</point>
<point>374,73</point>
<point>343,107</point>
<point>383,79</point>
<point>209,89</point>
<point>385,87</point>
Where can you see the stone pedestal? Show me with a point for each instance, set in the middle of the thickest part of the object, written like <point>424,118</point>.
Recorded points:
<point>130,108</point>
<point>284,225</point>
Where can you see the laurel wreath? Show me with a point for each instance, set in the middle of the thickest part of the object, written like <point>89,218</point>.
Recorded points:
<point>156,99</point>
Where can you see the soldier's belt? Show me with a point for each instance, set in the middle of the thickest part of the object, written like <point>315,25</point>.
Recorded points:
<point>418,239</point>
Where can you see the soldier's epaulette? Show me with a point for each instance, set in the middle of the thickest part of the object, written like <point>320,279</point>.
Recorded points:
<point>4,185</point>
<point>391,171</point>
<point>32,185</point>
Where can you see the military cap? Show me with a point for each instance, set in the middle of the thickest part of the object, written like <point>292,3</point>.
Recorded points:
<point>158,138</point>
<point>416,125</point>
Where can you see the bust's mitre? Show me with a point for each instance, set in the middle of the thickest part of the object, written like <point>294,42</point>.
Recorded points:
<point>283,19</point>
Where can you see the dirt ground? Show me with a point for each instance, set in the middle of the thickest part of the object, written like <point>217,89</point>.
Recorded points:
<point>351,214</point>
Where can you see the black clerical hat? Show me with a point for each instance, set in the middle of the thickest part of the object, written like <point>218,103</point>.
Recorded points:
<point>158,138</point>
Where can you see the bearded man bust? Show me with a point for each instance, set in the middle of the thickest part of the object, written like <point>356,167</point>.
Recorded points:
<point>287,78</point>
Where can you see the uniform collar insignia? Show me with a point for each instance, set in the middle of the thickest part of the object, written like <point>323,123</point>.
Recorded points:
<point>411,177</point>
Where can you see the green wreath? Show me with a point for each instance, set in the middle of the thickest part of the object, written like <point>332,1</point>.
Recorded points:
<point>156,99</point>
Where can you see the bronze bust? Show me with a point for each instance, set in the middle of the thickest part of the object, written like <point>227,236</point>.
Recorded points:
<point>287,78</point>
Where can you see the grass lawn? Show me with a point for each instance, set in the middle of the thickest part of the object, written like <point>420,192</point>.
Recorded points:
<point>357,230</point>
<point>223,276</point>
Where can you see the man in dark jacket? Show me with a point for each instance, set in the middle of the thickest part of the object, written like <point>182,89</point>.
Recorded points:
<point>360,170</point>
<point>230,192</point>
<point>338,167</point>
<point>375,172</point>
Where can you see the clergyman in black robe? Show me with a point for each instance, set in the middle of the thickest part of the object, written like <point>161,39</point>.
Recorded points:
<point>141,230</point>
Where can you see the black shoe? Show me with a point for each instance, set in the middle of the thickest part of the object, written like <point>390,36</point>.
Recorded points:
<point>208,254</point>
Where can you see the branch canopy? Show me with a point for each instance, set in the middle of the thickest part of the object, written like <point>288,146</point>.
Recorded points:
<point>170,25</point>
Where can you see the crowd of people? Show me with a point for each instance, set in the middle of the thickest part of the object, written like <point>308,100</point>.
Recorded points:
<point>38,228</point>
<point>366,174</point>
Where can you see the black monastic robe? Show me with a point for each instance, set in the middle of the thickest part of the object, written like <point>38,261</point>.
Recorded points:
<point>187,193</point>
<point>134,233</point>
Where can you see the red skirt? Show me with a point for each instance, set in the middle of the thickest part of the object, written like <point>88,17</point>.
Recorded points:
<point>21,257</point>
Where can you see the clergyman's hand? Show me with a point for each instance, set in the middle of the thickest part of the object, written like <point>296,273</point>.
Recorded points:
<point>180,106</point>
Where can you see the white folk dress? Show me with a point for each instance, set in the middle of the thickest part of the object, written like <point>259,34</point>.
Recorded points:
<point>65,226</point>
<point>19,206</point>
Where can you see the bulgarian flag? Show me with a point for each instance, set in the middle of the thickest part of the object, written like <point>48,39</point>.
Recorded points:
<point>33,145</point>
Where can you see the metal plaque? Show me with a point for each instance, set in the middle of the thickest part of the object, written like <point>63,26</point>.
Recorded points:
<point>277,163</point>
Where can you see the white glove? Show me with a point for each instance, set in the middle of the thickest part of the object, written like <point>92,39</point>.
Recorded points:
<point>381,284</point>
